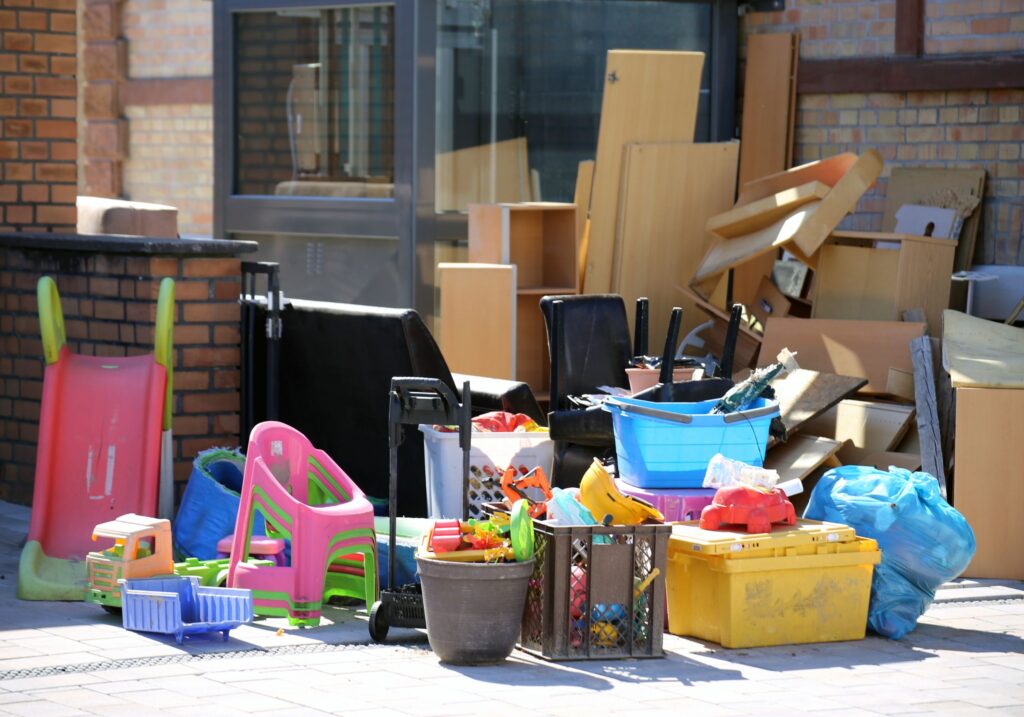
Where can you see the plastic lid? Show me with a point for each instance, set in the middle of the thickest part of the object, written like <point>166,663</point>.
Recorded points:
<point>689,536</point>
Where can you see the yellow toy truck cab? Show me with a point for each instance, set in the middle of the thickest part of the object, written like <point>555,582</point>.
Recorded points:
<point>142,549</point>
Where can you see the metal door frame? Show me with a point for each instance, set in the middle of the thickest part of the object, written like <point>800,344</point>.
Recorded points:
<point>408,216</point>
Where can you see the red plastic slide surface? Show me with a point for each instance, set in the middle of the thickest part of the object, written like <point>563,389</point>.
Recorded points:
<point>99,447</point>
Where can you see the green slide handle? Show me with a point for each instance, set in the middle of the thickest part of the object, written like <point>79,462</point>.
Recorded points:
<point>163,342</point>
<point>51,319</point>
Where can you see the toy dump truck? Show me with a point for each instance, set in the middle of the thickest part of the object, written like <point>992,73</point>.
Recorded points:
<point>142,549</point>
<point>177,605</point>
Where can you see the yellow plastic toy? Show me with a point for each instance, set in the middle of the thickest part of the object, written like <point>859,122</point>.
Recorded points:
<point>601,497</point>
<point>142,549</point>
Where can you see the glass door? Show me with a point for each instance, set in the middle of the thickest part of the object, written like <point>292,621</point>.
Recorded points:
<point>316,143</point>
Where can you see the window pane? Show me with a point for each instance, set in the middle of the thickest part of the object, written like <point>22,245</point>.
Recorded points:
<point>314,108</point>
<point>519,86</point>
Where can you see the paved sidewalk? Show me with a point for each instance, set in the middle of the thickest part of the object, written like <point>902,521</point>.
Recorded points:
<point>966,658</point>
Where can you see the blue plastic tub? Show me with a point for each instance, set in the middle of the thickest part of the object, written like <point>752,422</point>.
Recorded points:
<point>179,606</point>
<point>669,445</point>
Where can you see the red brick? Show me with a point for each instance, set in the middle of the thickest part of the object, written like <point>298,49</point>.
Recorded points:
<point>227,335</point>
<point>8,150</point>
<point>56,214</point>
<point>62,22</point>
<point>28,432</point>
<point>106,139</point>
<point>16,128</point>
<point>193,380</point>
<point>63,65</point>
<point>109,350</point>
<point>33,63</point>
<point>56,172</point>
<point>163,266</point>
<point>8,193</point>
<point>19,85</point>
<point>63,194</point>
<point>57,44</point>
<point>72,284</point>
<point>101,101</point>
<point>8,105</point>
<point>66,5</point>
<point>38,193</point>
<point>141,312</point>
<point>191,425</point>
<point>183,290</point>
<point>104,61</point>
<point>32,20</point>
<point>56,87</point>
<point>85,308</point>
<point>127,334</point>
<point>33,107</point>
<point>210,402</point>
<point>101,21</point>
<point>185,334</point>
<point>110,310</point>
<point>35,150</point>
<point>211,357</point>
<point>990,25</point>
<point>17,42</point>
<point>56,129</point>
<point>229,378</point>
<point>102,286</point>
<point>227,290</point>
<point>8,63</point>
<point>192,446</point>
<point>102,178</point>
<point>63,108</point>
<point>64,151</point>
<point>18,215</point>
<point>228,424</point>
<point>212,267</point>
<point>8,20</point>
<point>26,410</point>
<point>207,313</point>
<point>104,331</point>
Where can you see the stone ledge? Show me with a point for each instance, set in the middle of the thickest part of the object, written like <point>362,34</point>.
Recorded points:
<point>118,244</point>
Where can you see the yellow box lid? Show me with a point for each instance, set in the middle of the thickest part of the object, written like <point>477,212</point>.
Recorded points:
<point>689,537</point>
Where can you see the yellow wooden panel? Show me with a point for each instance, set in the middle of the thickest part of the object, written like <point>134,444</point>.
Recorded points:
<point>478,318</point>
<point>649,96</point>
<point>767,119</point>
<point>979,353</point>
<point>745,218</point>
<point>800,456</point>
<point>989,487</point>
<point>497,172</point>
<point>827,171</point>
<point>924,278</point>
<point>667,192</point>
<point>857,283</point>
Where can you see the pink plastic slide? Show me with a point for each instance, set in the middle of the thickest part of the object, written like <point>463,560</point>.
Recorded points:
<point>98,455</point>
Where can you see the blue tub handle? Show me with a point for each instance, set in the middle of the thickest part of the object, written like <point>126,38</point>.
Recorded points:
<point>686,418</point>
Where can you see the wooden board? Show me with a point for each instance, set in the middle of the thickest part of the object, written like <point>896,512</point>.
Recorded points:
<point>979,353</point>
<point>827,171</point>
<point>912,185</point>
<point>850,348</point>
<point>804,394</point>
<point>539,237</point>
<point>989,485</point>
<point>928,427</point>
<point>800,456</point>
<point>581,197</point>
<point>496,172</point>
<point>649,96</point>
<point>900,384</point>
<point>469,292</point>
<point>865,424</point>
<point>668,190</point>
<point>746,218</point>
<point>770,83</point>
<point>882,460</point>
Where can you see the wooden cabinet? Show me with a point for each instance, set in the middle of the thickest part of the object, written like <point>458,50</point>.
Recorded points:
<point>874,276</point>
<point>539,238</point>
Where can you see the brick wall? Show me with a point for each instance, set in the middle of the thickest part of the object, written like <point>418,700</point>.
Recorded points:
<point>37,108</point>
<point>109,304</point>
<point>169,38</point>
<point>981,128</point>
<point>171,161</point>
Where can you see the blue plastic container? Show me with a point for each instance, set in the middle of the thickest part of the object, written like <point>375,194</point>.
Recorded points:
<point>179,606</point>
<point>669,445</point>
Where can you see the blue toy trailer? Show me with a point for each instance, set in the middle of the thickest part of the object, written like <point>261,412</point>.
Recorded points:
<point>177,605</point>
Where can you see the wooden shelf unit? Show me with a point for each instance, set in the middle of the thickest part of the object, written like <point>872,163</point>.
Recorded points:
<point>539,238</point>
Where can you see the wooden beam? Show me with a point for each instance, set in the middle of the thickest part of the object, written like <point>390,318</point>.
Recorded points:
<point>911,74</point>
<point>910,27</point>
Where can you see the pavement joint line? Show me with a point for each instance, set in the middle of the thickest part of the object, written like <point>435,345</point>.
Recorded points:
<point>185,658</point>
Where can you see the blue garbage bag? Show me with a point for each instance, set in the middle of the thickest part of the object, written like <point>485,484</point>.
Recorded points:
<point>210,504</point>
<point>925,542</point>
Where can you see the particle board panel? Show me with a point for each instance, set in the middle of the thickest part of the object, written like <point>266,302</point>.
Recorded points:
<point>827,171</point>
<point>746,218</point>
<point>928,426</point>
<point>867,349</point>
<point>900,384</point>
<point>804,394</point>
<point>539,237</point>
<point>668,190</point>
<point>882,460</point>
<point>979,353</point>
<point>856,283</point>
<point>497,172</point>
<point>915,185</point>
<point>581,198</point>
<point>469,292</point>
<point>800,456</point>
<point>989,485</point>
<point>649,96</point>
<point>768,301</point>
<point>865,424</point>
<point>768,91</point>
<point>531,348</point>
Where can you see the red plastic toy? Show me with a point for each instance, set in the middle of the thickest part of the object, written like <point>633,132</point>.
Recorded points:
<point>756,509</point>
<point>446,536</point>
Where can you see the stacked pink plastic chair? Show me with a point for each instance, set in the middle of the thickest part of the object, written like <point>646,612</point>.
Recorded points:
<point>305,498</point>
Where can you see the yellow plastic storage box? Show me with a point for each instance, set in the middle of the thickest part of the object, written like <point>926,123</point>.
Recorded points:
<point>806,583</point>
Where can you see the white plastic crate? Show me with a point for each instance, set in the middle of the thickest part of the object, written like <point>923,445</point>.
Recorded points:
<point>490,454</point>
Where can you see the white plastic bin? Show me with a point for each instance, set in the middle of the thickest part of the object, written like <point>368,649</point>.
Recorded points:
<point>490,454</point>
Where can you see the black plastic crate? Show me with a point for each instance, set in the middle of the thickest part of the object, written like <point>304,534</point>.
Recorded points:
<point>582,602</point>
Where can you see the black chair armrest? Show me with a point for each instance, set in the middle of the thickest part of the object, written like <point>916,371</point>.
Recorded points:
<point>499,394</point>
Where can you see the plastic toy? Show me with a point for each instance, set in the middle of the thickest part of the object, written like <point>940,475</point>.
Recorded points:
<point>142,549</point>
<point>445,536</point>
<point>608,505</point>
<point>100,424</point>
<point>521,531</point>
<point>516,489</point>
<point>304,496</point>
<point>757,509</point>
<point>179,606</point>
<point>271,549</point>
